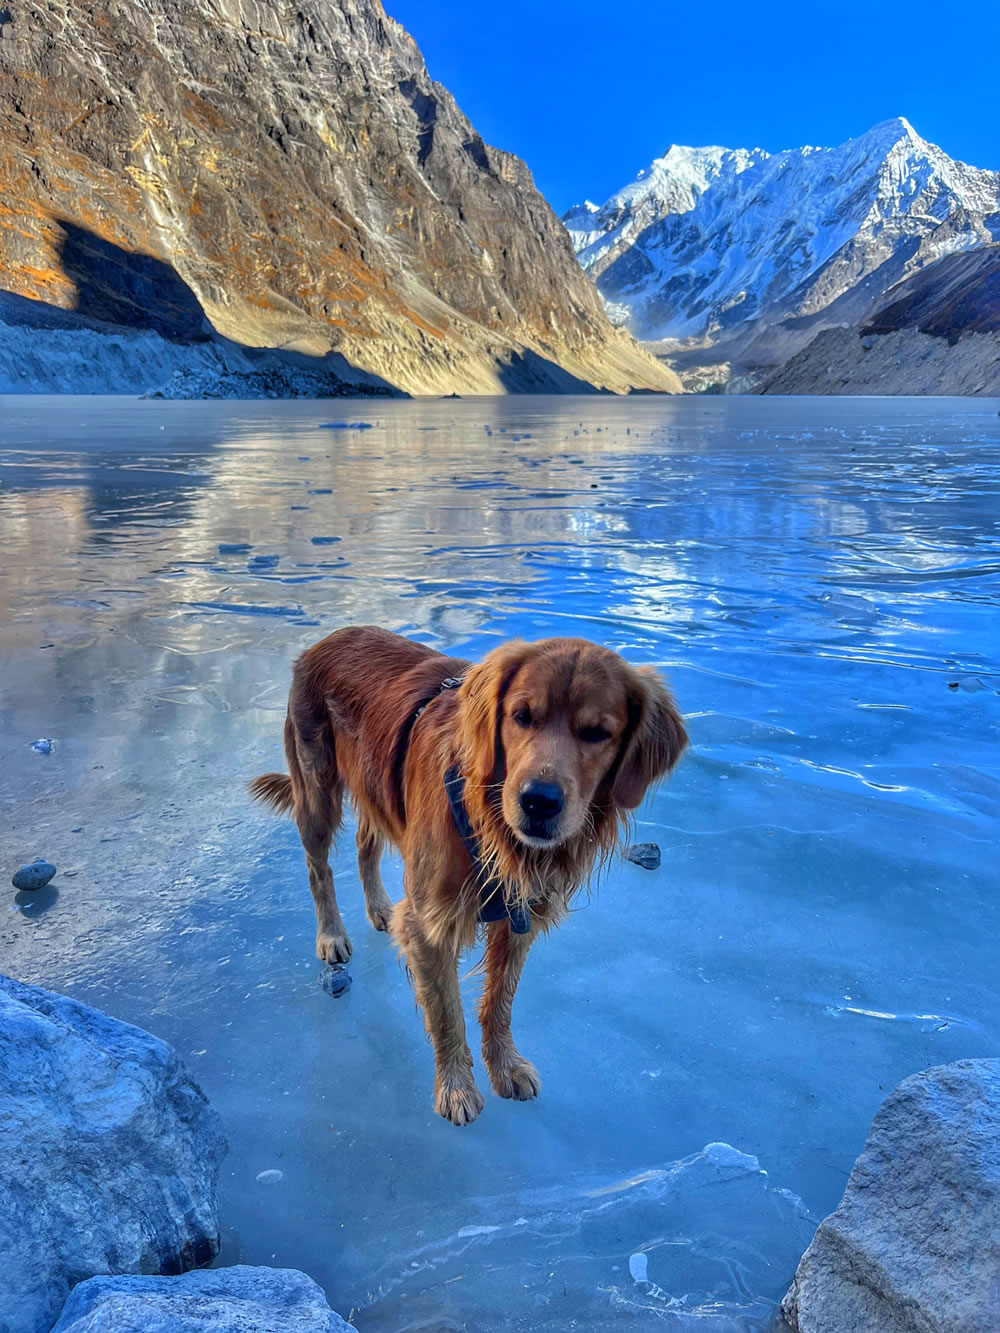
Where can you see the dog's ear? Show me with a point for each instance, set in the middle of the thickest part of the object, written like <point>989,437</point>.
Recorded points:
<point>480,705</point>
<point>655,741</point>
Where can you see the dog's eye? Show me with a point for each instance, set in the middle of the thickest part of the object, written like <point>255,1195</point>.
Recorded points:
<point>522,717</point>
<point>593,735</point>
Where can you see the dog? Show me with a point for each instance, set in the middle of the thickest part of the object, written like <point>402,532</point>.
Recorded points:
<point>503,784</point>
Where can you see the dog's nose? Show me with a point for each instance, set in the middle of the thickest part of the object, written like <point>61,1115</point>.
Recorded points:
<point>541,800</point>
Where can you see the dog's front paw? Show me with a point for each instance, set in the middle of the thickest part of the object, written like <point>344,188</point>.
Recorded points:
<point>333,948</point>
<point>458,1102</point>
<point>516,1078</point>
<point>379,912</point>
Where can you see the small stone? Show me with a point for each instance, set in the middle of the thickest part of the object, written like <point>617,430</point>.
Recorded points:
<point>336,980</point>
<point>638,1266</point>
<point>968,684</point>
<point>273,1177</point>
<point>645,854</point>
<point>33,876</point>
<point>43,745</point>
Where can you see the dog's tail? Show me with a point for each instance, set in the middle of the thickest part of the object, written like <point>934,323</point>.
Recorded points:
<point>274,790</point>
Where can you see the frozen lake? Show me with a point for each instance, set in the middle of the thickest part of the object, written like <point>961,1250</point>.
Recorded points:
<point>819,581</point>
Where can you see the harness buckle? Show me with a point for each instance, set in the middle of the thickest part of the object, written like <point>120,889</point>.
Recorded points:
<point>449,683</point>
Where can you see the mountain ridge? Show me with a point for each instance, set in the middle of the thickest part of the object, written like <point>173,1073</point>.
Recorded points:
<point>743,255</point>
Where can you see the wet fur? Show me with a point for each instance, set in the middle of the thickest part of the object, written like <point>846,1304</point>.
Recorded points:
<point>350,729</point>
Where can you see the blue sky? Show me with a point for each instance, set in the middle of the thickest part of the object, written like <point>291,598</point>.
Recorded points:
<point>588,93</point>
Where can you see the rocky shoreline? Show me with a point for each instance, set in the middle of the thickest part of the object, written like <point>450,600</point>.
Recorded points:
<point>110,1158</point>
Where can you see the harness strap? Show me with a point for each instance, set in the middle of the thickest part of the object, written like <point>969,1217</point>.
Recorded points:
<point>449,683</point>
<point>493,902</point>
<point>402,747</point>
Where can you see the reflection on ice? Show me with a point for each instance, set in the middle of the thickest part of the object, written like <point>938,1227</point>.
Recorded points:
<point>818,580</point>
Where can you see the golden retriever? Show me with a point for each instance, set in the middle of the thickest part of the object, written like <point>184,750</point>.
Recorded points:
<point>502,784</point>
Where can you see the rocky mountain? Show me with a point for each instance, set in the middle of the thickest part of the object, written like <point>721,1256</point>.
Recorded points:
<point>277,175</point>
<point>959,294</point>
<point>744,255</point>
<point>936,332</point>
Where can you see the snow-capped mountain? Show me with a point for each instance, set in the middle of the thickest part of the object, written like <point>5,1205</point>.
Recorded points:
<point>756,251</point>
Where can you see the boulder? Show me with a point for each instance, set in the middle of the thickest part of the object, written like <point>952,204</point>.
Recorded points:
<point>109,1155</point>
<point>914,1246</point>
<point>223,1300</point>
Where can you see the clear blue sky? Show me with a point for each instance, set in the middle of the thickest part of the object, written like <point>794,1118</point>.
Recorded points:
<point>588,93</point>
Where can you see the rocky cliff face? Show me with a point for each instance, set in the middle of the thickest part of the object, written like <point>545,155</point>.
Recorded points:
<point>291,172</point>
<point>743,256</point>
<point>959,294</point>
<point>937,332</point>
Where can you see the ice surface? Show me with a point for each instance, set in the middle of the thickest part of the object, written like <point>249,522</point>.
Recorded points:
<point>818,579</point>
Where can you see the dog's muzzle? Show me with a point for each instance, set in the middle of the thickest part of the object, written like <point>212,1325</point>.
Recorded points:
<point>541,803</point>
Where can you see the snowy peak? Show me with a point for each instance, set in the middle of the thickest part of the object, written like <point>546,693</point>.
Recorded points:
<point>716,242</point>
<point>893,131</point>
<point>670,184</point>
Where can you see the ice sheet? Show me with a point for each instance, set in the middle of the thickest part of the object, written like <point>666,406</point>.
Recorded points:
<point>818,579</point>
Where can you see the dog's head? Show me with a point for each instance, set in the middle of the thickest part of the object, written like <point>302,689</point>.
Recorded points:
<point>554,729</point>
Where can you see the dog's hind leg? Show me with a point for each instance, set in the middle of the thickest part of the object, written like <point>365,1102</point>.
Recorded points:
<point>510,1073</point>
<point>319,801</point>
<point>378,904</point>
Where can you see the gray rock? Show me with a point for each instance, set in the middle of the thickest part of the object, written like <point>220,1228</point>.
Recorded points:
<point>109,1155</point>
<point>645,854</point>
<point>225,1300</point>
<point>35,875</point>
<point>914,1246</point>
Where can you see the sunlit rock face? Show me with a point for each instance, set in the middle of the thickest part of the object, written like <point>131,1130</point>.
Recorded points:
<point>292,173</point>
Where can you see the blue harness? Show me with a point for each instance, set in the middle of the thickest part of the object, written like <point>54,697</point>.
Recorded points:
<point>493,902</point>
